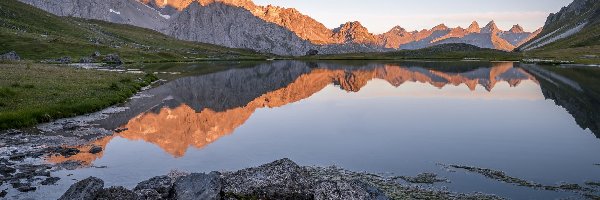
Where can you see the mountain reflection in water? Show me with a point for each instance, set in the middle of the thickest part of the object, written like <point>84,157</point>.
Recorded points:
<point>196,111</point>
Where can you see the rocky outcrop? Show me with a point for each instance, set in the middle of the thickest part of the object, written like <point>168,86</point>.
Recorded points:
<point>281,179</point>
<point>86,189</point>
<point>230,26</point>
<point>10,56</point>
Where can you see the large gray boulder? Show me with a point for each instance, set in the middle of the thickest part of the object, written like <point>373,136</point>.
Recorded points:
<point>155,188</point>
<point>198,186</point>
<point>85,189</point>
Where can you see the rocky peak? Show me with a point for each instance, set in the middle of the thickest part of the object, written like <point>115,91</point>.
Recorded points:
<point>474,27</point>
<point>440,27</point>
<point>490,28</point>
<point>517,29</point>
<point>353,32</point>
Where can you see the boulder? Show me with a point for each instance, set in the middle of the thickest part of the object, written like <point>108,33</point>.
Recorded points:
<point>64,60</point>
<point>281,179</point>
<point>85,189</point>
<point>95,149</point>
<point>198,186</point>
<point>96,54</point>
<point>113,59</point>
<point>312,52</point>
<point>116,193</point>
<point>10,56</point>
<point>86,60</point>
<point>161,185</point>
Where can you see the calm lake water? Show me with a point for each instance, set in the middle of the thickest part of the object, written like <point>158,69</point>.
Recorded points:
<point>384,118</point>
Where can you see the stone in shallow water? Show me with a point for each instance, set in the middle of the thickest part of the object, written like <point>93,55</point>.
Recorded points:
<point>198,186</point>
<point>85,189</point>
<point>95,150</point>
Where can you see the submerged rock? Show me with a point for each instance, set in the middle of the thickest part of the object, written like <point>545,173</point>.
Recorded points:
<point>85,189</point>
<point>10,56</point>
<point>95,150</point>
<point>428,178</point>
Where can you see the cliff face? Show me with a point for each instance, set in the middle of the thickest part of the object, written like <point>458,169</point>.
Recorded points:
<point>235,27</point>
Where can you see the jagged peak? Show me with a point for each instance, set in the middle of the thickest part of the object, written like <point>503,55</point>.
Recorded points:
<point>440,27</point>
<point>517,29</point>
<point>491,27</point>
<point>474,27</point>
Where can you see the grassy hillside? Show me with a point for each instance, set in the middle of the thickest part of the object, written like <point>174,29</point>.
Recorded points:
<point>583,47</point>
<point>438,52</point>
<point>38,35</point>
<point>34,93</point>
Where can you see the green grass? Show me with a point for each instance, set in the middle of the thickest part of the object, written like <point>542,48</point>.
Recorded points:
<point>37,35</point>
<point>439,52</point>
<point>34,93</point>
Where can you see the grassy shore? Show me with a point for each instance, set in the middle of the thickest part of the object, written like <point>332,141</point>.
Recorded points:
<point>36,93</point>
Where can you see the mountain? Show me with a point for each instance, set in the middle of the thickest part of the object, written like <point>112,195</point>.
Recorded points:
<point>38,35</point>
<point>575,25</point>
<point>272,29</point>
<point>489,36</point>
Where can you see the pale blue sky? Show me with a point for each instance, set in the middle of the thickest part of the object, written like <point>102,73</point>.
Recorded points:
<point>381,15</point>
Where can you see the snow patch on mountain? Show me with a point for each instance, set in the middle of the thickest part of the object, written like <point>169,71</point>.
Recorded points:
<point>550,38</point>
<point>114,11</point>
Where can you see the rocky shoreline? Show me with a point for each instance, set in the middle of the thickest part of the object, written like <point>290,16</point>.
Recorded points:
<point>281,179</point>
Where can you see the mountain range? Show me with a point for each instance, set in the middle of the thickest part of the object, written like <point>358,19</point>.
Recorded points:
<point>272,29</point>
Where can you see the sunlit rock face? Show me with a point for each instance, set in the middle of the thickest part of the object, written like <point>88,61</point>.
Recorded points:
<point>196,111</point>
<point>273,29</point>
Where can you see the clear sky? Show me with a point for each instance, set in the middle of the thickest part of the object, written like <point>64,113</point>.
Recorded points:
<point>381,15</point>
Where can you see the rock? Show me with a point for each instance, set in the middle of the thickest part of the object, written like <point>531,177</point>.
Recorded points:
<point>6,170</point>
<point>160,184</point>
<point>349,190</point>
<point>312,52</point>
<point>70,164</point>
<point>85,189</point>
<point>428,178</point>
<point>17,156</point>
<point>198,186</point>
<point>118,130</point>
<point>26,188</point>
<point>113,59</point>
<point>64,60</point>
<point>95,149</point>
<point>116,193</point>
<point>3,193</point>
<point>149,194</point>
<point>50,181</point>
<point>86,60</point>
<point>10,56</point>
<point>281,179</point>
<point>96,54</point>
<point>67,152</point>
